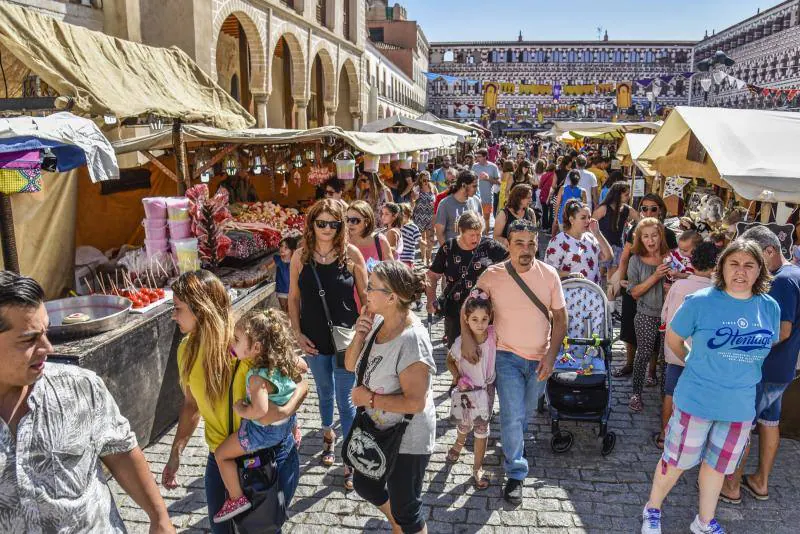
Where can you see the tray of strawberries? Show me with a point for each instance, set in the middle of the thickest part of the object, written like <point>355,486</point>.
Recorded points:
<point>145,299</point>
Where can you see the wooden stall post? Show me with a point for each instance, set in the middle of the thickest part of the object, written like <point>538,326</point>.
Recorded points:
<point>9,241</point>
<point>181,164</point>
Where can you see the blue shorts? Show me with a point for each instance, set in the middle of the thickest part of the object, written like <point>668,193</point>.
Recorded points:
<point>254,437</point>
<point>671,375</point>
<point>613,262</point>
<point>768,402</point>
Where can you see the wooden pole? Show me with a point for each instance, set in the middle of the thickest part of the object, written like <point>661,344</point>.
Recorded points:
<point>9,241</point>
<point>181,165</point>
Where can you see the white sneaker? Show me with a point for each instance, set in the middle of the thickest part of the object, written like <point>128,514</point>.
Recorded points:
<point>713,527</point>
<point>651,521</point>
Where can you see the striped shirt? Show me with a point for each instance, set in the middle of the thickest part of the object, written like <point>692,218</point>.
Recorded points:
<point>411,235</point>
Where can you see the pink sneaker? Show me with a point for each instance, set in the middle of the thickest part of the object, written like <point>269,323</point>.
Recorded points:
<point>298,436</point>
<point>231,509</point>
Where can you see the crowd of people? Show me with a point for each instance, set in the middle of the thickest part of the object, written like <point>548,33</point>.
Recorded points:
<point>717,327</point>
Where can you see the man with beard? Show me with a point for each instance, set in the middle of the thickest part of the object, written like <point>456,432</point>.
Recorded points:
<point>439,176</point>
<point>530,319</point>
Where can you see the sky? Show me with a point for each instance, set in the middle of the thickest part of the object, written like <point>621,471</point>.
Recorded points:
<point>540,20</point>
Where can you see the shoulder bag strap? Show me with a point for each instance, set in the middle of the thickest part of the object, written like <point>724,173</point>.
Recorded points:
<point>529,292</point>
<point>321,294</point>
<point>378,247</point>
<point>362,365</point>
<point>230,397</point>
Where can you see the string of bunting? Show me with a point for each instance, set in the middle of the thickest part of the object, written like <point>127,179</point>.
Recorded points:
<point>775,93</point>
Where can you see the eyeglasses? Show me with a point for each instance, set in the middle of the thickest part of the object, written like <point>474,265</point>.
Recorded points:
<point>329,192</point>
<point>333,225</point>
<point>370,288</point>
<point>354,220</point>
<point>649,209</point>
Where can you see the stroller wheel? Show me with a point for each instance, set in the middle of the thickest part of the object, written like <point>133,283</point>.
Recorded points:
<point>608,443</point>
<point>562,442</point>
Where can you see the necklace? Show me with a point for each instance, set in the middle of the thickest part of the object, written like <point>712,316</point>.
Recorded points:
<point>324,257</point>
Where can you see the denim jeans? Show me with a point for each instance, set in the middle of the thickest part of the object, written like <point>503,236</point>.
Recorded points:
<point>518,390</point>
<point>288,462</point>
<point>333,382</point>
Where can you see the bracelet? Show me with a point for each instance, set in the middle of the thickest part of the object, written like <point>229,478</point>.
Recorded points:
<point>372,401</point>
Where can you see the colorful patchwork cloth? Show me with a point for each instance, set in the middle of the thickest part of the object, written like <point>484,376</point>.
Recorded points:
<point>20,172</point>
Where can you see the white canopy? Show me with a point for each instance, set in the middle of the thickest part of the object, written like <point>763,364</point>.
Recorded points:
<point>753,151</point>
<point>561,127</point>
<point>62,132</point>
<point>414,124</point>
<point>631,148</point>
<point>370,143</point>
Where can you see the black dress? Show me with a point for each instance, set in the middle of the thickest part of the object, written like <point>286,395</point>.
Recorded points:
<point>339,285</point>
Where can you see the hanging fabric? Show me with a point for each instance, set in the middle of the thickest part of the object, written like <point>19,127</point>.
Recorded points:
<point>20,172</point>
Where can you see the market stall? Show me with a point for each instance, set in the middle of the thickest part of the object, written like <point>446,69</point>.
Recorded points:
<point>753,153</point>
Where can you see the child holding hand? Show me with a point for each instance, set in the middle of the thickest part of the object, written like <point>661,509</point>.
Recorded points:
<point>468,377</point>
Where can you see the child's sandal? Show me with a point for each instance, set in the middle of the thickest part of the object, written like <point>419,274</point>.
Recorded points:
<point>479,480</point>
<point>328,454</point>
<point>453,455</point>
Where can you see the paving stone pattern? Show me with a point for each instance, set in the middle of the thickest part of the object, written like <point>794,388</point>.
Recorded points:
<point>580,491</point>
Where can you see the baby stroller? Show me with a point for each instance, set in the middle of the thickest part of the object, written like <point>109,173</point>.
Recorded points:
<point>580,386</point>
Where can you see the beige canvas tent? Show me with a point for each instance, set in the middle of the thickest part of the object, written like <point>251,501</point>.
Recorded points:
<point>631,148</point>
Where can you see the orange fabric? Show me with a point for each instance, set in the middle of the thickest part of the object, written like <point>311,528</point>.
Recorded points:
<point>521,328</point>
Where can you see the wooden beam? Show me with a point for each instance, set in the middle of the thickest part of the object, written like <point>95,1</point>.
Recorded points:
<point>214,160</point>
<point>181,165</point>
<point>9,241</point>
<point>163,168</point>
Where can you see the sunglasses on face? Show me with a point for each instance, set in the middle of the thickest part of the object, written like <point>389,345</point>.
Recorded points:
<point>649,209</point>
<point>354,220</point>
<point>333,225</point>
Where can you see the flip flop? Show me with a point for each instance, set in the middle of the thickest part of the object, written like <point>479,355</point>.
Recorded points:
<point>657,440</point>
<point>622,371</point>
<point>479,480</point>
<point>729,500</point>
<point>749,489</point>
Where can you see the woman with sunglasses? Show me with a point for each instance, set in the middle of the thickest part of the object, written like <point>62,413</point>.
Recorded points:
<point>372,190</point>
<point>373,245</point>
<point>424,197</point>
<point>327,259</point>
<point>651,205</point>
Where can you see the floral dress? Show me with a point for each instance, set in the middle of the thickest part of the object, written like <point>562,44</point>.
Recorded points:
<point>423,211</point>
<point>566,253</point>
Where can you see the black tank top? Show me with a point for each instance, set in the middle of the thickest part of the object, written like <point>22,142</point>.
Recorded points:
<point>606,224</point>
<point>510,218</point>
<point>338,283</point>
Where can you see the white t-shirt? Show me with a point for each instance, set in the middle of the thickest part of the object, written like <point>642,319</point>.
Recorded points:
<point>588,181</point>
<point>386,362</point>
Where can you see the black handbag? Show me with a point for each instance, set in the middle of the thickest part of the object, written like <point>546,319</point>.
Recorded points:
<point>341,336</point>
<point>370,451</point>
<point>258,475</point>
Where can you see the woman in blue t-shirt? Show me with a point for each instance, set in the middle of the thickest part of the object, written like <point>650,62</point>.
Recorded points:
<point>733,324</point>
<point>568,191</point>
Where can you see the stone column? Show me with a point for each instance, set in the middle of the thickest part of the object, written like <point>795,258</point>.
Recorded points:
<point>356,120</point>
<point>260,101</point>
<point>301,121</point>
<point>330,114</point>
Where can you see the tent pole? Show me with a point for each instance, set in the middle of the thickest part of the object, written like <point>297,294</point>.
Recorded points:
<point>181,166</point>
<point>9,241</point>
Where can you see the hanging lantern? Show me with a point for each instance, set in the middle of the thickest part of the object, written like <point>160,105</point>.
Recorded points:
<point>231,164</point>
<point>201,159</point>
<point>423,156</point>
<point>297,161</point>
<point>402,156</point>
<point>311,155</point>
<point>257,161</point>
<point>415,156</point>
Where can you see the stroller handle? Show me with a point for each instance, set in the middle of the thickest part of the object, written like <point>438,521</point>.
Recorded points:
<point>584,341</point>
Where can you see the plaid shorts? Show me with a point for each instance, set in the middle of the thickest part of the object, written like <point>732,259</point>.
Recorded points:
<point>691,440</point>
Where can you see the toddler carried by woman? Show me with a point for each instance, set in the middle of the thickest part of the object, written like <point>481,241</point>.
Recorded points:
<point>262,340</point>
<point>473,394</point>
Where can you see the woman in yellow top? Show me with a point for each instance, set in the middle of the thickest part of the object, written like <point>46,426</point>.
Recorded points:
<point>509,168</point>
<point>206,368</point>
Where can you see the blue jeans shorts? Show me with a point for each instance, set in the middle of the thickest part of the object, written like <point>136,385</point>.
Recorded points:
<point>768,402</point>
<point>671,375</point>
<point>613,262</point>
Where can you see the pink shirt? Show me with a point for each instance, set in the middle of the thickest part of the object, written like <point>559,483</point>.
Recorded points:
<point>482,373</point>
<point>521,328</point>
<point>675,298</point>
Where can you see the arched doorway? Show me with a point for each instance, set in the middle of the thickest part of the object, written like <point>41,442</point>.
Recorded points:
<point>279,110</point>
<point>233,59</point>
<point>321,89</point>
<point>348,96</point>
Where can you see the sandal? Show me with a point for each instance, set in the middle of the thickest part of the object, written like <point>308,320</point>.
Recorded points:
<point>626,370</point>
<point>635,403</point>
<point>328,455</point>
<point>453,454</point>
<point>348,479</point>
<point>479,480</point>
<point>658,440</point>
<point>749,489</point>
<point>651,381</point>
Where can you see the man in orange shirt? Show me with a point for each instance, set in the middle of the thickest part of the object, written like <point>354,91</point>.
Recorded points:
<point>527,345</point>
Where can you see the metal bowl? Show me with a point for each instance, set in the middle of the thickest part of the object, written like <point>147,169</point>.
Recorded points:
<point>106,312</point>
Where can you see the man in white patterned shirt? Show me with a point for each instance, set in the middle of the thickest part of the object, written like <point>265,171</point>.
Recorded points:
<point>56,423</point>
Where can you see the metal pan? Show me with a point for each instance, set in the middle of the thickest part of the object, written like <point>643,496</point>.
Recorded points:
<point>106,312</point>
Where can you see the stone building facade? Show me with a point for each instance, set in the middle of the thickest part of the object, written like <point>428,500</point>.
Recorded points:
<point>596,67</point>
<point>766,48</point>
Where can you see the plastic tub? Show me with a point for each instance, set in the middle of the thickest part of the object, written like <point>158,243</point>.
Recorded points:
<point>386,158</point>
<point>155,228</point>
<point>180,229</point>
<point>178,208</point>
<point>156,246</point>
<point>186,253</point>
<point>155,207</point>
<point>371,163</point>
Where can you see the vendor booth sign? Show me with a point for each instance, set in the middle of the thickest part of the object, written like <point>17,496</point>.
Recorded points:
<point>783,231</point>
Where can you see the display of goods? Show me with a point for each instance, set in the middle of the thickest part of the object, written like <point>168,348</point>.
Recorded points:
<point>249,243</point>
<point>177,208</point>
<point>385,159</point>
<point>318,175</point>
<point>155,207</point>
<point>273,215</point>
<point>154,247</point>
<point>345,165</point>
<point>155,228</point>
<point>186,252</point>
<point>248,277</point>
<point>209,215</point>
<point>141,297</point>
<point>180,229</point>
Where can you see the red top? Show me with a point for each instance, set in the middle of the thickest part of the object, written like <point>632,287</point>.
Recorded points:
<point>439,198</point>
<point>545,184</point>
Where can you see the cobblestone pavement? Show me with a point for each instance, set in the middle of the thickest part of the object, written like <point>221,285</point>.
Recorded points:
<point>580,491</point>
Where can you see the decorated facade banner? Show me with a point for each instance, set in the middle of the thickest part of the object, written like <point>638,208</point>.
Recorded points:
<point>624,99</point>
<point>491,90</point>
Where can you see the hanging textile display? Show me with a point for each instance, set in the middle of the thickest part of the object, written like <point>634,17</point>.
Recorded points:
<point>675,186</point>
<point>20,172</point>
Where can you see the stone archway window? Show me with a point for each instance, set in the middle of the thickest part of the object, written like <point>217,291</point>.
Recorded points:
<point>322,13</point>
